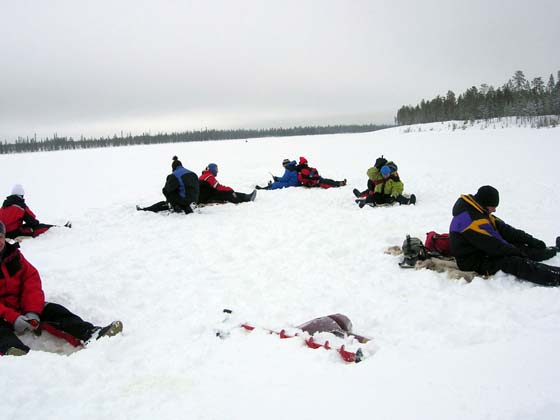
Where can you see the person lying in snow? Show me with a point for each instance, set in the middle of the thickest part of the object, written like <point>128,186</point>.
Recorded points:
<point>23,307</point>
<point>309,177</point>
<point>384,186</point>
<point>212,191</point>
<point>181,190</point>
<point>481,242</point>
<point>289,179</point>
<point>18,218</point>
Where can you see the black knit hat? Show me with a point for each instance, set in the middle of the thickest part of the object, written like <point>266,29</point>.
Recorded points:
<point>176,163</point>
<point>487,196</point>
<point>285,162</point>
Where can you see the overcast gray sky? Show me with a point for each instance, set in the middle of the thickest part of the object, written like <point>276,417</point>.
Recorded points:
<point>98,67</point>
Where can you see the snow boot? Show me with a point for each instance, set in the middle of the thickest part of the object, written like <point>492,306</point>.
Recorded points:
<point>15,351</point>
<point>68,224</point>
<point>253,195</point>
<point>138,208</point>
<point>342,183</point>
<point>110,330</point>
<point>357,192</point>
<point>362,202</point>
<point>402,200</point>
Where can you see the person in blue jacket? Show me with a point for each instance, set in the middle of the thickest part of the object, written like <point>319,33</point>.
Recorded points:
<point>181,190</point>
<point>289,179</point>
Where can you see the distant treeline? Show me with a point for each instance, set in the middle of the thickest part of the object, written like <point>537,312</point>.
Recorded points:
<point>22,145</point>
<point>518,97</point>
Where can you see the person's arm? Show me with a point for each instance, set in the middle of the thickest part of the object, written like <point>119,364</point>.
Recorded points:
<point>482,235</point>
<point>373,173</point>
<point>397,188</point>
<point>171,184</point>
<point>211,179</point>
<point>29,218</point>
<point>517,236</point>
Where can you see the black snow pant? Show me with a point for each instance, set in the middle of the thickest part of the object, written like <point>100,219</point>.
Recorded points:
<point>330,182</point>
<point>387,199</point>
<point>157,207</point>
<point>524,268</point>
<point>55,319</point>
<point>209,194</point>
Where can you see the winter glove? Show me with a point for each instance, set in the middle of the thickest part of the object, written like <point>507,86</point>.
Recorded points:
<point>33,320</point>
<point>536,243</point>
<point>22,324</point>
<point>380,162</point>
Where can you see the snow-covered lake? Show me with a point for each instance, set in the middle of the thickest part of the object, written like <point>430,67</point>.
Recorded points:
<point>443,349</point>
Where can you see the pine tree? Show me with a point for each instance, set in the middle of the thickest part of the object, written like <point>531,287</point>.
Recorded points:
<point>519,82</point>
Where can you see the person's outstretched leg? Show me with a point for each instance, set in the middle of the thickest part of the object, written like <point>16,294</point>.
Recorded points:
<point>401,199</point>
<point>535,272</point>
<point>62,323</point>
<point>156,208</point>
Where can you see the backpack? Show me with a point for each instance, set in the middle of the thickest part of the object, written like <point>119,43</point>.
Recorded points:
<point>438,243</point>
<point>413,250</point>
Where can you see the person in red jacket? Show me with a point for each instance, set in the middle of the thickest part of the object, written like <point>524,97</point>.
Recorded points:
<point>18,217</point>
<point>309,177</point>
<point>23,307</point>
<point>212,191</point>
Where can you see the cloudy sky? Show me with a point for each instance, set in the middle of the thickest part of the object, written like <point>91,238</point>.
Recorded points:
<point>101,67</point>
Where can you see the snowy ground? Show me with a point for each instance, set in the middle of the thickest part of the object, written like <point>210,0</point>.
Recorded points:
<point>445,349</point>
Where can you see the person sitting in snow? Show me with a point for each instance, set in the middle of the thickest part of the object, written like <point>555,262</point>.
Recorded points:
<point>384,186</point>
<point>23,307</point>
<point>309,177</point>
<point>212,191</point>
<point>18,218</point>
<point>181,190</point>
<point>289,179</point>
<point>483,243</point>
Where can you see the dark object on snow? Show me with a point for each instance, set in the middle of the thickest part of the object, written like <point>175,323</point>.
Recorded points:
<point>413,250</point>
<point>337,324</point>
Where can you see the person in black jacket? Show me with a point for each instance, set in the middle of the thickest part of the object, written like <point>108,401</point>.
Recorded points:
<point>181,190</point>
<point>483,243</point>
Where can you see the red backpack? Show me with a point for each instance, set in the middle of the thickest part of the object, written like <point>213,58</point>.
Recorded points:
<point>438,242</point>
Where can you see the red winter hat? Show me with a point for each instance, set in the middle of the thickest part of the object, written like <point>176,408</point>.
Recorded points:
<point>302,160</point>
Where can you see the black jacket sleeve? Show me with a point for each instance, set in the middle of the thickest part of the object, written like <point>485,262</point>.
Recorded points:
<point>512,235</point>
<point>171,184</point>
